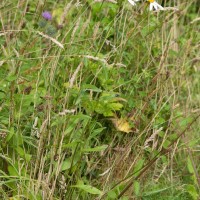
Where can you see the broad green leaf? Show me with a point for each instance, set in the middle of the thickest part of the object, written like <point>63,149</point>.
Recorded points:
<point>10,135</point>
<point>96,132</point>
<point>20,151</point>
<point>190,166</point>
<point>112,194</point>
<point>185,121</point>
<point>88,188</point>
<point>136,187</point>
<point>28,157</point>
<point>71,145</point>
<point>157,191</point>
<point>138,166</point>
<point>164,159</point>
<point>12,171</point>
<point>91,87</point>
<point>125,198</point>
<point>11,78</point>
<point>2,95</point>
<point>99,148</point>
<point>57,14</point>
<point>166,144</point>
<point>192,191</point>
<point>115,106</point>
<point>173,136</point>
<point>66,164</point>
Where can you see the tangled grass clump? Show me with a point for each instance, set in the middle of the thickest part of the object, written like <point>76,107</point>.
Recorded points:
<point>99,100</point>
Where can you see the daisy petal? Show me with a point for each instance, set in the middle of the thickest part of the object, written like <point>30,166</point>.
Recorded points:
<point>160,7</point>
<point>132,2</point>
<point>151,7</point>
<point>156,6</point>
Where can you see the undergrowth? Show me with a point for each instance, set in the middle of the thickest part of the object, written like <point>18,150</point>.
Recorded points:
<point>101,102</point>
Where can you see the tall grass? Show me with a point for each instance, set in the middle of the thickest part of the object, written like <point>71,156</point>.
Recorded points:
<point>102,102</point>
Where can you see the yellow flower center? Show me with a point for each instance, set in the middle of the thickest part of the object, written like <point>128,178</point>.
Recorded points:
<point>151,1</point>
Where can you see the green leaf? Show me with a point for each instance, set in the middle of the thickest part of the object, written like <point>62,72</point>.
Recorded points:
<point>28,157</point>
<point>112,194</point>
<point>157,191</point>
<point>96,132</point>
<point>20,151</point>
<point>166,144</point>
<point>91,87</point>
<point>99,148</point>
<point>10,135</point>
<point>115,106</point>
<point>57,15</point>
<point>192,191</point>
<point>173,136</point>
<point>164,159</point>
<point>11,78</point>
<point>12,171</point>
<point>2,95</point>
<point>138,166</point>
<point>136,187</point>
<point>190,166</point>
<point>89,189</point>
<point>66,164</point>
<point>125,198</point>
<point>185,121</point>
<point>71,145</point>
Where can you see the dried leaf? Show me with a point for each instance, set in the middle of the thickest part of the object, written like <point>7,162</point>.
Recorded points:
<point>122,124</point>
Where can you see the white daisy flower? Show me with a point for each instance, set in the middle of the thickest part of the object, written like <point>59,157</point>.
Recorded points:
<point>132,2</point>
<point>155,5</point>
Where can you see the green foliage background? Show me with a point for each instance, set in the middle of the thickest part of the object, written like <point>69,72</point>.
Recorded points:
<point>61,109</point>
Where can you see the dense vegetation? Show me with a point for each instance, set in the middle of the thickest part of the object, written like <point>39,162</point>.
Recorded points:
<point>101,102</point>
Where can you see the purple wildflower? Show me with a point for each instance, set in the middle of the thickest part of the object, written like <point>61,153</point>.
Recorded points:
<point>47,15</point>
